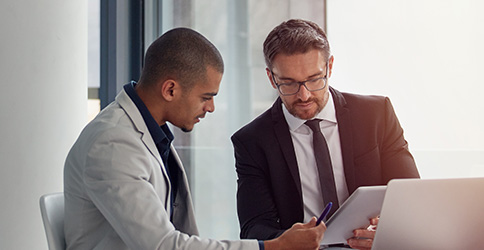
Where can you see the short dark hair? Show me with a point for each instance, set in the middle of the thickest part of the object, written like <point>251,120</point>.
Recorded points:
<point>182,54</point>
<point>295,36</point>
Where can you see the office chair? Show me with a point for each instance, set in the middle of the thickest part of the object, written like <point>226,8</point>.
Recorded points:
<point>52,210</point>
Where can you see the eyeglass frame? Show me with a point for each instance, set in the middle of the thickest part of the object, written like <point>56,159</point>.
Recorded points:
<point>302,83</point>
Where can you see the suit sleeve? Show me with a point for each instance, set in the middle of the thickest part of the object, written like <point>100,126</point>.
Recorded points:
<point>396,159</point>
<point>256,208</point>
<point>117,180</point>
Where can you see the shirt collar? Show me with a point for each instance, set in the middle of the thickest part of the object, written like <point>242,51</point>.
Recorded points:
<point>160,134</point>
<point>328,114</point>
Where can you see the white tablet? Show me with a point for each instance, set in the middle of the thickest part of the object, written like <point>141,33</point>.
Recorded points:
<point>354,213</point>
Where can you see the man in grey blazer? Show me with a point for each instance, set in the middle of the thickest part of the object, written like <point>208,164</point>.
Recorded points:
<point>124,184</point>
<point>279,179</point>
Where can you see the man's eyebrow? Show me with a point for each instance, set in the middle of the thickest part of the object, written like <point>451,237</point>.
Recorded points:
<point>210,93</point>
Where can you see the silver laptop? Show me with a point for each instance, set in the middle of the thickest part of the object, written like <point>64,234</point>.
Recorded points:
<point>432,214</point>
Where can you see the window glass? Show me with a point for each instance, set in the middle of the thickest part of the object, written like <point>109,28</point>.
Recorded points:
<point>427,57</point>
<point>238,29</point>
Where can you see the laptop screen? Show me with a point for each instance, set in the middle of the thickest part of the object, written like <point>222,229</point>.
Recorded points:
<point>432,214</point>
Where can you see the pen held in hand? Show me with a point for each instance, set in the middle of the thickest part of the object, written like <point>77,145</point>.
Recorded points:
<point>324,213</point>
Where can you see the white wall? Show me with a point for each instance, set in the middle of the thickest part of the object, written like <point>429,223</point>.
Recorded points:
<point>43,94</point>
<point>427,57</point>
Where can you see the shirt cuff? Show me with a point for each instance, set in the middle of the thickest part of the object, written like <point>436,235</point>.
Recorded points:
<point>261,245</point>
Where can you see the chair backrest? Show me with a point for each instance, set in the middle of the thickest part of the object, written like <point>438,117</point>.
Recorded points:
<point>52,210</point>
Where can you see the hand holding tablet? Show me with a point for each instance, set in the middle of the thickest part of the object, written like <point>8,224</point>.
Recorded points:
<point>354,213</point>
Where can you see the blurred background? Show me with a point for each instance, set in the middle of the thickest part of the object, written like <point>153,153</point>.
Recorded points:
<point>62,61</point>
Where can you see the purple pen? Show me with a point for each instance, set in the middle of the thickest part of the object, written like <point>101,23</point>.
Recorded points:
<point>324,213</point>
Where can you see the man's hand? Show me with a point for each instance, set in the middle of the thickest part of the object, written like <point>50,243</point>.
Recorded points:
<point>299,236</point>
<point>363,237</point>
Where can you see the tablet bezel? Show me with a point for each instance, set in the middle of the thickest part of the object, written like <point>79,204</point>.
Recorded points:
<point>364,204</point>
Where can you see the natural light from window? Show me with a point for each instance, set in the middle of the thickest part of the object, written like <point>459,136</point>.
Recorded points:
<point>427,57</point>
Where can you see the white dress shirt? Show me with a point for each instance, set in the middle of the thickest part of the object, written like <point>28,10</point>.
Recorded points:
<point>302,138</point>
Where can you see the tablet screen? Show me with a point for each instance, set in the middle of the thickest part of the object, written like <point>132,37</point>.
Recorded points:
<point>356,211</point>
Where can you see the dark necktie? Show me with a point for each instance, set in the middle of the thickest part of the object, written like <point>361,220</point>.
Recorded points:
<point>325,168</point>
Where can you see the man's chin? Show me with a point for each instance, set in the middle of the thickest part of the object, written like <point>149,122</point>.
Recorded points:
<point>186,130</point>
<point>304,115</point>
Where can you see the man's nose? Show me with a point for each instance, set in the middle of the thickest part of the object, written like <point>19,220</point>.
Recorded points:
<point>303,93</point>
<point>210,107</point>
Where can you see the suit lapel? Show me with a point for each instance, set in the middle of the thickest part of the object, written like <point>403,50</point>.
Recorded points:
<point>183,217</point>
<point>346,137</point>
<point>133,113</point>
<point>285,142</point>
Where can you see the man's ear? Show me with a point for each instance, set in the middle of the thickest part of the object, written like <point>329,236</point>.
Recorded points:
<point>169,89</point>
<point>269,75</point>
<point>330,64</point>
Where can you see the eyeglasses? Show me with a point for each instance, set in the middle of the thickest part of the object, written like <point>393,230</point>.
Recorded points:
<point>291,88</point>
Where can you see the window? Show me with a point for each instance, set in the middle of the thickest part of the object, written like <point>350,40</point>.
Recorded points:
<point>426,56</point>
<point>238,29</point>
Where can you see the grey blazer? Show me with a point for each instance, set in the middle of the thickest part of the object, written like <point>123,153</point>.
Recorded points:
<point>117,191</point>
